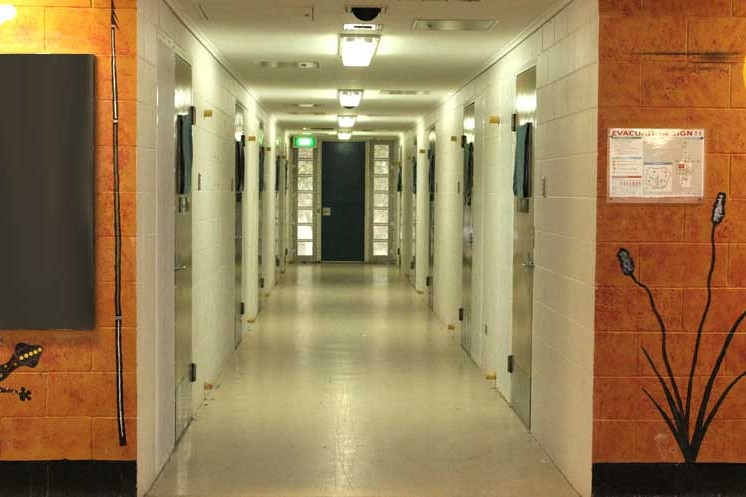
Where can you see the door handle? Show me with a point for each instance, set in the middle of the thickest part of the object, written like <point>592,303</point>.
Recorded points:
<point>178,268</point>
<point>529,264</point>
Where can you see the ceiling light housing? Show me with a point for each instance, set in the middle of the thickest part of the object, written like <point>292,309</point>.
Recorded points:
<point>344,134</point>
<point>350,99</point>
<point>346,122</point>
<point>358,50</point>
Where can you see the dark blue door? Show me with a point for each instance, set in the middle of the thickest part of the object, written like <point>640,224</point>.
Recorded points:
<point>343,202</point>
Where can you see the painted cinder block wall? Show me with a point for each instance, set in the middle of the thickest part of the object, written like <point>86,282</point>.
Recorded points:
<point>72,413</point>
<point>670,243</point>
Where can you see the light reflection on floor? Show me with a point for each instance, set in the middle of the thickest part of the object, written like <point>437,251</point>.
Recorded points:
<point>347,386</point>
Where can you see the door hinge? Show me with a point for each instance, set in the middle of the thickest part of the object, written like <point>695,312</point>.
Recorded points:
<point>428,280</point>
<point>277,261</point>
<point>243,308</point>
<point>261,282</point>
<point>461,314</point>
<point>511,363</point>
<point>411,265</point>
<point>193,372</point>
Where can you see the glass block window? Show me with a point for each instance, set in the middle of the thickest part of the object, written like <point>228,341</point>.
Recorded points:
<point>305,208</point>
<point>382,204</point>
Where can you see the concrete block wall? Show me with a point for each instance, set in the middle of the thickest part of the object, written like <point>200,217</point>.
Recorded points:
<point>215,89</point>
<point>564,48</point>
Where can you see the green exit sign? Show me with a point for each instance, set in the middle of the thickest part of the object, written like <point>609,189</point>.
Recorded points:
<point>304,142</point>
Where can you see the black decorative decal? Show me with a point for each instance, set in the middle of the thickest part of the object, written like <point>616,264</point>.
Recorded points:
<point>23,356</point>
<point>117,231</point>
<point>679,408</point>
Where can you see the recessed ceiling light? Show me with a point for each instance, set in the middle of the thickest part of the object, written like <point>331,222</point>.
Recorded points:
<point>344,135</point>
<point>349,99</point>
<point>358,50</point>
<point>453,24</point>
<point>306,106</point>
<point>363,27</point>
<point>346,121</point>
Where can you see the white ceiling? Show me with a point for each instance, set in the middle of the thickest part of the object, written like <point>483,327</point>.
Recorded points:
<point>248,32</point>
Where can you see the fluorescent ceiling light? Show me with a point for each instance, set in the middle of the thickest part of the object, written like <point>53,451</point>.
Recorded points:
<point>363,27</point>
<point>358,50</point>
<point>349,99</point>
<point>346,121</point>
<point>344,135</point>
<point>7,13</point>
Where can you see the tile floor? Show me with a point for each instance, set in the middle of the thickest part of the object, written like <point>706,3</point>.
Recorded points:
<point>347,386</point>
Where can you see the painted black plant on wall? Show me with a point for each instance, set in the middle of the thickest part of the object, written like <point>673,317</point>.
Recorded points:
<point>688,431</point>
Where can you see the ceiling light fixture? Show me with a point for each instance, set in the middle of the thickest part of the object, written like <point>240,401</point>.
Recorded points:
<point>7,13</point>
<point>346,122</point>
<point>358,50</point>
<point>344,135</point>
<point>349,99</point>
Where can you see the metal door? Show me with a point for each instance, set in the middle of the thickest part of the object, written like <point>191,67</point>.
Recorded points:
<point>468,232</point>
<point>343,201</point>
<point>523,263</point>
<point>432,188</point>
<point>238,182</point>
<point>183,259</point>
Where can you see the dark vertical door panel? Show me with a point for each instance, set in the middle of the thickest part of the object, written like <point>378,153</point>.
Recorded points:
<point>343,200</point>
<point>46,192</point>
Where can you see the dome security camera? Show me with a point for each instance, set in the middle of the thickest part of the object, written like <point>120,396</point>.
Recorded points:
<point>366,14</point>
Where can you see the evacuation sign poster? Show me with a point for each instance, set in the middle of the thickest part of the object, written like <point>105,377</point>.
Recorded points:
<point>656,165</point>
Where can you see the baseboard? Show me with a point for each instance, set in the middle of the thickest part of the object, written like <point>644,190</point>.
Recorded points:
<point>68,479</point>
<point>669,480</point>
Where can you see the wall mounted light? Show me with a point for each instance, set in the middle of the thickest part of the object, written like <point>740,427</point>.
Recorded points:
<point>358,50</point>
<point>344,135</point>
<point>7,13</point>
<point>346,122</point>
<point>349,99</point>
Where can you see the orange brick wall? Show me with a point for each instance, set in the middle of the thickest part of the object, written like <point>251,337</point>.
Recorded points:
<point>670,242</point>
<point>72,414</point>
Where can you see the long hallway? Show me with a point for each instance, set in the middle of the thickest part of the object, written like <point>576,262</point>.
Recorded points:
<point>347,386</point>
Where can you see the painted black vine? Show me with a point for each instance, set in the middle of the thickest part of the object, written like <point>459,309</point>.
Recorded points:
<point>688,431</point>
<point>117,231</point>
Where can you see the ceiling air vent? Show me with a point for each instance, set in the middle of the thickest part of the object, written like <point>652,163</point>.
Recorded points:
<point>404,92</point>
<point>453,24</point>
<point>288,65</point>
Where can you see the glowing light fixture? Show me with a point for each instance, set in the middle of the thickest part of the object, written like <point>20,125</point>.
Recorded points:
<point>349,99</point>
<point>344,134</point>
<point>346,122</point>
<point>7,13</point>
<point>358,50</point>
